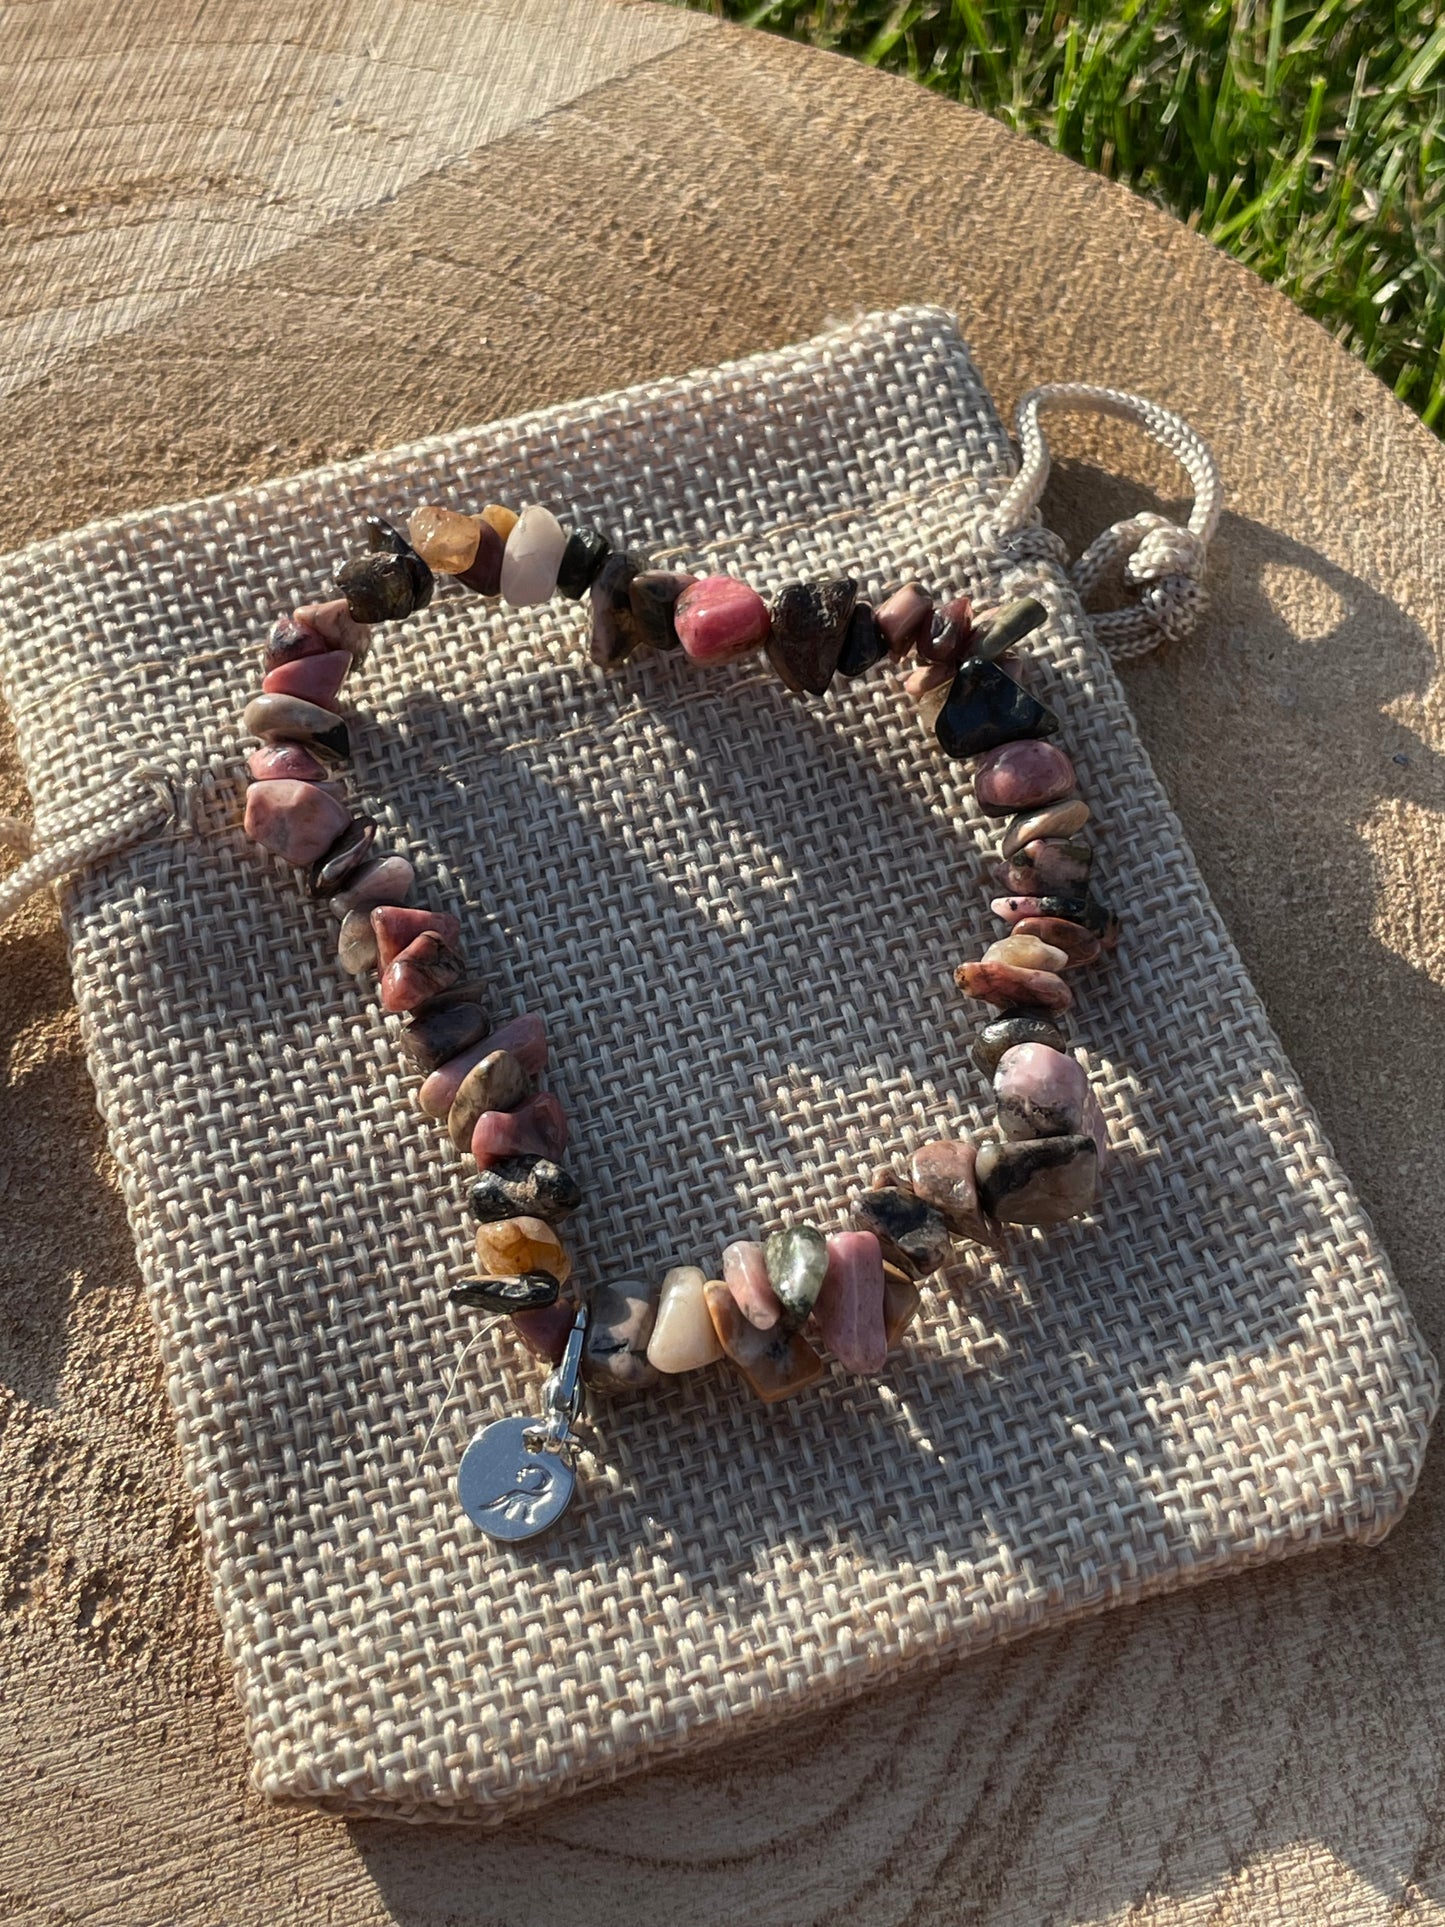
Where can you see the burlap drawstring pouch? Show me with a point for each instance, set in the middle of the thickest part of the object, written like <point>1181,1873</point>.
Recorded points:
<point>739,914</point>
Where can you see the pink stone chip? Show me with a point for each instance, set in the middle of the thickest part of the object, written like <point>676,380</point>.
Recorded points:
<point>545,1332</point>
<point>1021,776</point>
<point>289,762</point>
<point>387,879</point>
<point>289,640</point>
<point>525,1037</point>
<point>1041,1092</point>
<point>745,1273</point>
<point>297,821</point>
<point>335,625</point>
<point>396,926</point>
<point>426,967</point>
<point>906,619</point>
<point>719,617</point>
<point>848,1311</point>
<point>942,1174</point>
<point>949,647</point>
<point>536,1129</point>
<point>1005,985</point>
<point>316,679</point>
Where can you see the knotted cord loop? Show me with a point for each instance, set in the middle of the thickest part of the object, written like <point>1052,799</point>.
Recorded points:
<point>1158,562</point>
<point>86,835</point>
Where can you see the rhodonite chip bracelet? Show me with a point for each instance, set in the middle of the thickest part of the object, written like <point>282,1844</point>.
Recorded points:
<point>767,1308</point>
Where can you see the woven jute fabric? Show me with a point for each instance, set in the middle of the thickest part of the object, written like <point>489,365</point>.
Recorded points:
<point>739,914</point>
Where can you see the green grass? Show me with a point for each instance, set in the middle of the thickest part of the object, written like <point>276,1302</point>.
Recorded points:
<point>1307,141</point>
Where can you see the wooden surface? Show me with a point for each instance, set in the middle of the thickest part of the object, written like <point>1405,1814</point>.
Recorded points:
<point>241,237</point>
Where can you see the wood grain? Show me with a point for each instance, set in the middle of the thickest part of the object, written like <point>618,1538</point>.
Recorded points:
<point>240,238</point>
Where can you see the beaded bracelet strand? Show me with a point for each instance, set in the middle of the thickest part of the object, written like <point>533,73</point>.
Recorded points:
<point>855,1291</point>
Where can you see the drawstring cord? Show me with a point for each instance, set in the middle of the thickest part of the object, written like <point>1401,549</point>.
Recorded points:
<point>1162,564</point>
<point>86,835</point>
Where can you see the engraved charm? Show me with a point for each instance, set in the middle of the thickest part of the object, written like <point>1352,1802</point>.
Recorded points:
<point>517,1477</point>
<point>509,1490</point>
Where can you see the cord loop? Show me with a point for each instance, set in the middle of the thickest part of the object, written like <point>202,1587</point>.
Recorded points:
<point>1158,563</point>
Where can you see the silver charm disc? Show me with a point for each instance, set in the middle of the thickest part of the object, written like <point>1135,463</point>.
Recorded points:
<point>509,1490</point>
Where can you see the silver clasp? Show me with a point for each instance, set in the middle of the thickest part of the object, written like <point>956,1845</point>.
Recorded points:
<point>562,1397</point>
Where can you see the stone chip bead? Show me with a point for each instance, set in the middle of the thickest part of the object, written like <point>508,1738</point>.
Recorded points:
<point>942,1175</point>
<point>1073,942</point>
<point>286,762</point>
<point>796,1259</point>
<point>985,709</point>
<point>1040,1093</point>
<point>1084,910</point>
<point>296,821</point>
<point>501,520</point>
<point>537,1128</point>
<point>864,644</point>
<point>389,581</point>
<point>1049,866</point>
<point>512,1247</point>
<point>534,1291</point>
<point>525,1037</point>
<point>654,596</point>
<point>334,625</point>
<point>1006,985</point>
<point>484,576</point>
<point>805,638</point>
<point>776,1363</point>
<point>905,619</point>
<point>719,618</point>
<point>951,638</point>
<point>1061,819</point>
<point>586,551</point>
<point>426,967</point>
<point>315,679</point>
<point>384,879</point>
<point>1022,776</point>
<point>615,630</point>
<point>524,1187</point>
<point>441,1030</point>
<point>1038,1181</point>
<point>291,641</point>
<point>1015,1026</point>
<point>1025,952</point>
<point>336,866</point>
<point>545,1333</point>
<point>397,925</point>
<point>532,557</point>
<point>745,1274</point>
<point>288,719</point>
<point>619,1325</point>
<point>848,1311</point>
<point>497,1083</point>
<point>684,1338</point>
<point>1008,626</point>
<point>472,990</point>
<point>444,539</point>
<point>912,1234</point>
